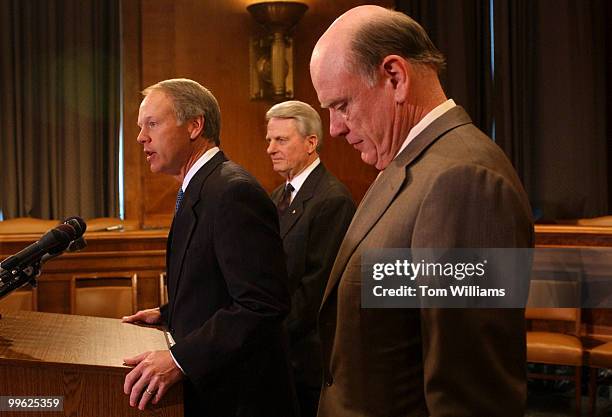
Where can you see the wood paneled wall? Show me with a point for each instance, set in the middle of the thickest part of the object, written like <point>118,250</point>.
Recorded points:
<point>208,42</point>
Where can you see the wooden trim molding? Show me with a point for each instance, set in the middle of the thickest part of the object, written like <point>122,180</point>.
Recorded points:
<point>573,236</point>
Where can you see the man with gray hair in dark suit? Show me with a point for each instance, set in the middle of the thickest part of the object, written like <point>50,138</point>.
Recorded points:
<point>315,209</point>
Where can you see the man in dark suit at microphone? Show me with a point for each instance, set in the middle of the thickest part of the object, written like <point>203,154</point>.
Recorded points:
<point>227,293</point>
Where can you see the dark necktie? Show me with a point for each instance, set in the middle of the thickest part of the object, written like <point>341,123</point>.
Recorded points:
<point>285,199</point>
<point>179,198</point>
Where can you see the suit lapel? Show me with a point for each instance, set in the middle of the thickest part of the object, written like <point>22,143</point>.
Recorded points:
<point>185,222</point>
<point>385,188</point>
<point>296,208</point>
<point>380,195</point>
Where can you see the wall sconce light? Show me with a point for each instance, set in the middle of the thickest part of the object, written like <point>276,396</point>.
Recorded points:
<point>271,55</point>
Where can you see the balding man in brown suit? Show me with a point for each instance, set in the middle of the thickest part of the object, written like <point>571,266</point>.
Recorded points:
<point>443,184</point>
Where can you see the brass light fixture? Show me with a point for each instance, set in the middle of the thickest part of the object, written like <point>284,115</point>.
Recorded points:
<point>271,55</point>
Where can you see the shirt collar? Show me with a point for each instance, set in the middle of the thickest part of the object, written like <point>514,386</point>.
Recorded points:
<point>426,121</point>
<point>199,164</point>
<point>299,179</point>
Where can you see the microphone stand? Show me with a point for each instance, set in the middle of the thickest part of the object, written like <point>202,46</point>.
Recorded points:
<point>18,277</point>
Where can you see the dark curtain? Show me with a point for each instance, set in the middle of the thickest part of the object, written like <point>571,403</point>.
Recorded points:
<point>609,97</point>
<point>550,105</point>
<point>59,107</point>
<point>547,100</point>
<point>512,103</point>
<point>460,30</point>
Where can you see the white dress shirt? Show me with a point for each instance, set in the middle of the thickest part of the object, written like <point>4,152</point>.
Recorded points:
<point>208,155</point>
<point>426,121</point>
<point>299,179</point>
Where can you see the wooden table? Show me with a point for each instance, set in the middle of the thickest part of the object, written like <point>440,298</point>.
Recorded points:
<point>79,358</point>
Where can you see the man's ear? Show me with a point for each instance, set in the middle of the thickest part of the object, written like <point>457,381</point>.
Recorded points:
<point>312,141</point>
<point>196,127</point>
<point>397,71</point>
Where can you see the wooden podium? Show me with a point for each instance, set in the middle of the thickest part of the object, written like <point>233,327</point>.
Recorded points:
<point>79,358</point>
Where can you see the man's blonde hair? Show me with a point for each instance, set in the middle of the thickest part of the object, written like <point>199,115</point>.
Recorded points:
<point>190,99</point>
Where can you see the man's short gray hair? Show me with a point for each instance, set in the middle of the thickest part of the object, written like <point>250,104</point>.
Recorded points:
<point>190,99</point>
<point>307,120</point>
<point>392,34</point>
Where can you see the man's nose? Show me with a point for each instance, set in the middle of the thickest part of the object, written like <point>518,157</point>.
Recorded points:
<point>142,137</point>
<point>271,148</point>
<point>337,124</point>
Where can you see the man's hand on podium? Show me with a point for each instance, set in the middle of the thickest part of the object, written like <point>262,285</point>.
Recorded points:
<point>149,316</point>
<point>154,373</point>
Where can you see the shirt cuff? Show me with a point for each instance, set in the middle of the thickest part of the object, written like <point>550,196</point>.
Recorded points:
<point>176,363</point>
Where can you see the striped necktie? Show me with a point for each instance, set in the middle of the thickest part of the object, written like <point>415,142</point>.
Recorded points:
<point>285,200</point>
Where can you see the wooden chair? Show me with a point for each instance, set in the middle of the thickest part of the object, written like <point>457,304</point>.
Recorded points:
<point>557,348</point>
<point>598,357</point>
<point>111,295</point>
<point>163,289</point>
<point>24,298</point>
<point>553,294</point>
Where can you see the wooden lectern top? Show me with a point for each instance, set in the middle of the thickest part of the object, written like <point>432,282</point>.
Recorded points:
<point>78,359</point>
<point>74,340</point>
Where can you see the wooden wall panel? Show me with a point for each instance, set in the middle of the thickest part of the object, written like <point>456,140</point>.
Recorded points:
<point>344,161</point>
<point>208,42</point>
<point>158,46</point>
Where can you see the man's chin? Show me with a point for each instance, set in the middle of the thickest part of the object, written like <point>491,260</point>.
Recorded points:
<point>369,159</point>
<point>280,170</point>
<point>159,169</point>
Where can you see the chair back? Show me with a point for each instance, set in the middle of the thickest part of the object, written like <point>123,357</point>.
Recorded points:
<point>549,293</point>
<point>112,295</point>
<point>546,297</point>
<point>24,298</point>
<point>556,314</point>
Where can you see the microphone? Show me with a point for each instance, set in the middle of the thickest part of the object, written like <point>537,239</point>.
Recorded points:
<point>68,230</point>
<point>79,226</point>
<point>56,239</point>
<point>24,266</point>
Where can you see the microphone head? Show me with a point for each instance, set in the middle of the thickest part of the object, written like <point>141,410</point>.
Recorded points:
<point>63,235</point>
<point>68,230</point>
<point>78,224</point>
